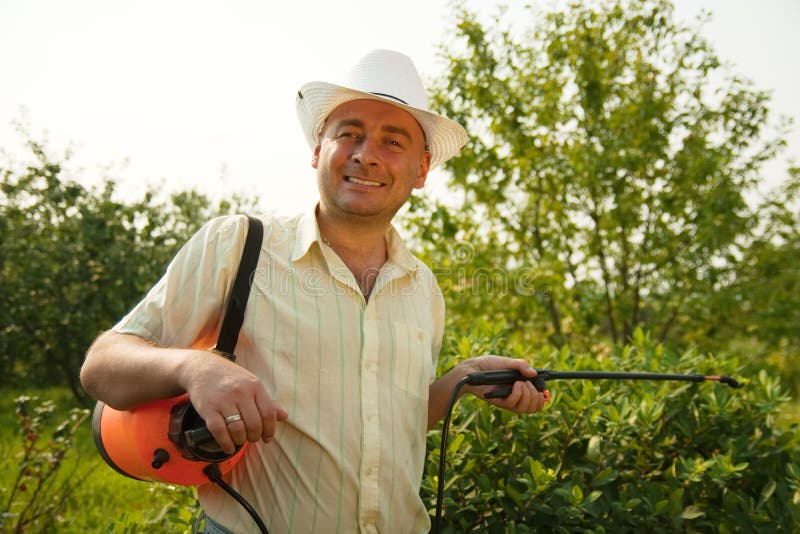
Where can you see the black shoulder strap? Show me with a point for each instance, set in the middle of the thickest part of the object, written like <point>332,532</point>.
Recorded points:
<point>234,314</point>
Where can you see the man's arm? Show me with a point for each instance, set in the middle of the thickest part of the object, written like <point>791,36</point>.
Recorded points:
<point>125,371</point>
<point>523,398</point>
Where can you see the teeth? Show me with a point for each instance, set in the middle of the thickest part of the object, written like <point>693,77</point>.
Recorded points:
<point>355,180</point>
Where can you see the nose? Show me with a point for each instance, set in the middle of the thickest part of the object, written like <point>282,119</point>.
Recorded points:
<point>366,152</point>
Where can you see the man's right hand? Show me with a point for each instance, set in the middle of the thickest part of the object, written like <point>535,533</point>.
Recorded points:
<point>220,388</point>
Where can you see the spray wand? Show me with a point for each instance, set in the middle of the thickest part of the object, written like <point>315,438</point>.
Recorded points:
<point>507,378</point>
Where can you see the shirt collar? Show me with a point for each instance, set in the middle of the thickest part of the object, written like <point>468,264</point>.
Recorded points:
<point>398,252</point>
<point>308,233</point>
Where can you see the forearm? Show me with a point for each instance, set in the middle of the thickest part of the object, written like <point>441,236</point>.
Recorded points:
<point>124,370</point>
<point>441,391</point>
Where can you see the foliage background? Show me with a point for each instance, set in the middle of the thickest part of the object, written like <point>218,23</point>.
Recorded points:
<point>603,215</point>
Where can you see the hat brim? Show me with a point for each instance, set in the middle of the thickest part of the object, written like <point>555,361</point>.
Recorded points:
<point>316,100</point>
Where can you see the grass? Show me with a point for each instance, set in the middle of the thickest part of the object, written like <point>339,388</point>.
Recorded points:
<point>100,500</point>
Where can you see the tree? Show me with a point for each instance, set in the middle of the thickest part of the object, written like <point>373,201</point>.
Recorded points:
<point>765,288</point>
<point>73,260</point>
<point>612,155</point>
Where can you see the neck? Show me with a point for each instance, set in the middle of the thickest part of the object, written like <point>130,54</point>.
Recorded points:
<point>351,236</point>
<point>361,247</point>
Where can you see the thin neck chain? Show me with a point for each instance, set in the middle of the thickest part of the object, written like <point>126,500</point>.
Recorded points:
<point>325,239</point>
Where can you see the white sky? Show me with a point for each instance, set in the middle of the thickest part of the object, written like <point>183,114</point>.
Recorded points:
<point>201,94</point>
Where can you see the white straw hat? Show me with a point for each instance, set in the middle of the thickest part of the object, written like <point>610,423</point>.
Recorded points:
<point>390,77</point>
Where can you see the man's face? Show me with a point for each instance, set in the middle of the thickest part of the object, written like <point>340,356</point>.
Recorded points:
<point>370,157</point>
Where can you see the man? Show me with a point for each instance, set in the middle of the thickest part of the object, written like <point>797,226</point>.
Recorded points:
<point>334,378</point>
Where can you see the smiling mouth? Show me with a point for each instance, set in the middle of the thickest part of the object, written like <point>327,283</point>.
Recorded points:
<point>359,181</point>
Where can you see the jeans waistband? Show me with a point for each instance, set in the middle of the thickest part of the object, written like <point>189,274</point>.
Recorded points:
<point>210,526</point>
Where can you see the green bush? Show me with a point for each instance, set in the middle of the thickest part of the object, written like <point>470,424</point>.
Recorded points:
<point>40,492</point>
<point>621,456</point>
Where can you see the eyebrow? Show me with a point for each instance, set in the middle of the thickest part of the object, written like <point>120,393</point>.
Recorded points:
<point>388,129</point>
<point>397,130</point>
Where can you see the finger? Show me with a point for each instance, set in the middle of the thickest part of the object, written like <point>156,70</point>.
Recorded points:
<point>539,400</point>
<point>525,397</point>
<point>493,361</point>
<point>237,430</point>
<point>253,425</point>
<point>270,413</point>
<point>267,427</point>
<point>536,399</point>
<point>513,399</point>
<point>237,427</point>
<point>528,398</point>
<point>524,367</point>
<point>216,425</point>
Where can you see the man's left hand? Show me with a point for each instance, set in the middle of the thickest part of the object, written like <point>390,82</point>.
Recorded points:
<point>524,398</point>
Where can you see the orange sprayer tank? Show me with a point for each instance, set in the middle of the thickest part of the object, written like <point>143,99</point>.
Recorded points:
<point>155,442</point>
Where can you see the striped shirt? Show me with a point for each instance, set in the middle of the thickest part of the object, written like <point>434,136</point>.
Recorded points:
<point>352,374</point>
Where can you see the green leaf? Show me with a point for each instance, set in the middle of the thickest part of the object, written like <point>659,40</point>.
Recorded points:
<point>605,476</point>
<point>455,443</point>
<point>515,495</point>
<point>692,512</point>
<point>577,495</point>
<point>593,449</point>
<point>592,497</point>
<point>630,504</point>
<point>766,492</point>
<point>638,336</point>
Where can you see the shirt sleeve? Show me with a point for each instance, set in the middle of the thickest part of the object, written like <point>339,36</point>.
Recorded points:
<point>185,307</point>
<point>438,320</point>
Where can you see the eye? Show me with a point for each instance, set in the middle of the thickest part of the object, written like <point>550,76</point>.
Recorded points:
<point>351,134</point>
<point>394,142</point>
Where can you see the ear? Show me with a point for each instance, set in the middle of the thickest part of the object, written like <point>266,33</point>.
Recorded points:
<point>422,172</point>
<point>315,157</point>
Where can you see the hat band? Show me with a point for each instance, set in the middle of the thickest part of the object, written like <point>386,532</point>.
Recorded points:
<point>390,96</point>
